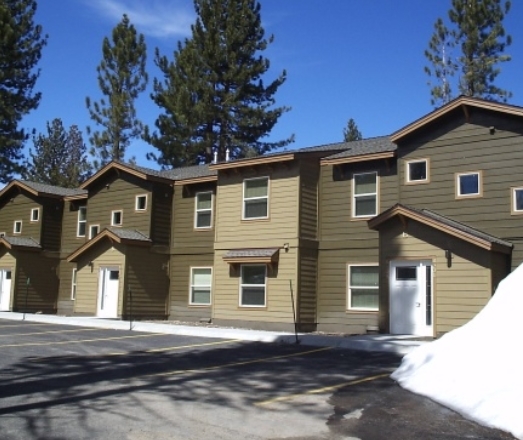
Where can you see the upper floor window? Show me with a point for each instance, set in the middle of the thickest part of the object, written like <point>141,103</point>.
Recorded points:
<point>82,221</point>
<point>117,218</point>
<point>17,227</point>
<point>141,203</point>
<point>365,194</point>
<point>35,214</point>
<point>93,231</point>
<point>203,210</point>
<point>253,285</point>
<point>517,200</point>
<point>201,279</point>
<point>255,198</point>
<point>363,287</point>
<point>417,171</point>
<point>468,184</point>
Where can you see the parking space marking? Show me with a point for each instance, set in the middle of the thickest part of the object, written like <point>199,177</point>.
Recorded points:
<point>113,338</point>
<point>25,324</point>
<point>51,332</point>
<point>322,390</point>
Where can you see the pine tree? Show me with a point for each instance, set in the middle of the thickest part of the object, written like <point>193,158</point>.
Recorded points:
<point>59,157</point>
<point>21,44</point>
<point>213,96</point>
<point>121,78</point>
<point>351,132</point>
<point>476,31</point>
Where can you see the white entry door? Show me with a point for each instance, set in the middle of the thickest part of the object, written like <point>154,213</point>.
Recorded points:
<point>5,289</point>
<point>108,284</point>
<point>410,285</point>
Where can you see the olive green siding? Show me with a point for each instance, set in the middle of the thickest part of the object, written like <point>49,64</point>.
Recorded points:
<point>19,208</point>
<point>161,220</point>
<point>461,288</point>
<point>305,295</point>
<point>8,261</point>
<point>51,217</point>
<point>70,239</point>
<point>180,270</point>
<point>65,274</point>
<point>308,214</point>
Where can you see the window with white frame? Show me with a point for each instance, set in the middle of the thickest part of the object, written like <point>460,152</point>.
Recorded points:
<point>200,290</point>
<point>468,184</point>
<point>35,214</point>
<point>17,227</point>
<point>517,200</point>
<point>256,198</point>
<point>82,221</point>
<point>93,231</point>
<point>253,285</point>
<point>73,284</point>
<point>203,210</point>
<point>365,194</point>
<point>417,171</point>
<point>363,287</point>
<point>117,218</point>
<point>140,203</point>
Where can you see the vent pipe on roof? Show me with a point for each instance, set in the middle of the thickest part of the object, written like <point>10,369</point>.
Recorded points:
<point>227,155</point>
<point>215,157</point>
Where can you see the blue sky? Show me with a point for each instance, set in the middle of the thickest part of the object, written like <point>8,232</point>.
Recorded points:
<point>344,59</point>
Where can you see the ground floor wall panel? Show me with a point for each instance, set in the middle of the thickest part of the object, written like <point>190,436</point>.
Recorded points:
<point>65,301</point>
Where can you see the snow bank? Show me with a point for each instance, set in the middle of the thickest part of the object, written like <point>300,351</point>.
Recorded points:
<point>477,369</point>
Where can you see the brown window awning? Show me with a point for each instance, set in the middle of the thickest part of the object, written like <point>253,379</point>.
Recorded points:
<point>245,256</point>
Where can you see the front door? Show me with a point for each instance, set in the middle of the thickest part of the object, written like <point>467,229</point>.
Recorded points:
<point>5,289</point>
<point>108,284</point>
<point>410,284</point>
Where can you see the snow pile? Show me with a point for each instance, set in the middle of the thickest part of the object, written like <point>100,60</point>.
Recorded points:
<point>477,369</point>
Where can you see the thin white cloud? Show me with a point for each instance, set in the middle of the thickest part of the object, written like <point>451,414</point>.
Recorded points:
<point>156,18</point>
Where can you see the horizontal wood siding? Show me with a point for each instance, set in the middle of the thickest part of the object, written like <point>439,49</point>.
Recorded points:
<point>309,175</point>
<point>306,293</point>
<point>87,278</point>
<point>70,240</point>
<point>180,268</point>
<point>65,303</point>
<point>162,201</point>
<point>51,218</point>
<point>146,276</point>
<point>19,208</point>
<point>279,306</point>
<point>8,261</point>
<point>185,237</point>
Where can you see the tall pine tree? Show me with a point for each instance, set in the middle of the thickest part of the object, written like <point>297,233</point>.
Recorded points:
<point>21,44</point>
<point>351,132</point>
<point>477,35</point>
<point>213,96</point>
<point>121,78</point>
<point>59,157</point>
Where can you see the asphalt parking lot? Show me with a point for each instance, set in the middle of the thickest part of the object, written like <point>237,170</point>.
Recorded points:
<point>61,382</point>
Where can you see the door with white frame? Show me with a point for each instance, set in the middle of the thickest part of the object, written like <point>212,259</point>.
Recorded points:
<point>411,297</point>
<point>5,289</point>
<point>108,286</point>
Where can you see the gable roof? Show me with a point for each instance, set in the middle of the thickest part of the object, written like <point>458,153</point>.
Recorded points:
<point>380,147</point>
<point>463,102</point>
<point>444,224</point>
<point>42,189</point>
<point>20,242</point>
<point>118,235</point>
<point>191,174</point>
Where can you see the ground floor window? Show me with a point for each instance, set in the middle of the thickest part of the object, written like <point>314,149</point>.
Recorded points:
<point>363,287</point>
<point>201,280</point>
<point>253,285</point>
<point>73,285</point>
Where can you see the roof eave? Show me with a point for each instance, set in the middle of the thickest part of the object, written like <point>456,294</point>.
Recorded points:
<point>259,160</point>
<point>192,180</point>
<point>359,158</point>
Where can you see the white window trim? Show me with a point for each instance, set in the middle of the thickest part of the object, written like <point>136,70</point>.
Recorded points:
<point>16,222</point>
<point>197,211</point>
<point>191,286</point>
<point>121,217</point>
<point>33,210</point>
<point>74,284</point>
<point>256,198</point>
<point>354,196</point>
<point>80,209</point>
<point>90,231</point>
<point>407,171</point>
<point>513,207</point>
<point>480,185</point>
<point>349,295</point>
<point>240,296</point>
<point>136,202</point>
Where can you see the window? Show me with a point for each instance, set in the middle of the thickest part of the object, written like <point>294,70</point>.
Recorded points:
<point>203,210</point>
<point>255,198</point>
<point>82,220</point>
<point>141,203</point>
<point>17,227</point>
<point>365,194</point>
<point>252,285</point>
<point>93,231</point>
<point>73,285</point>
<point>117,218</point>
<point>35,214</point>
<point>200,293</point>
<point>364,287</point>
<point>517,201</point>
<point>468,184</point>
<point>406,273</point>
<point>417,171</point>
